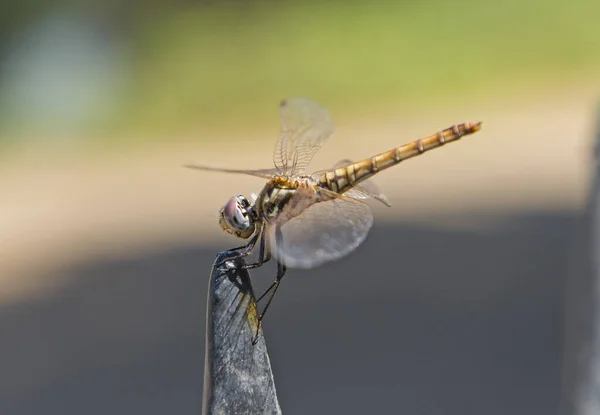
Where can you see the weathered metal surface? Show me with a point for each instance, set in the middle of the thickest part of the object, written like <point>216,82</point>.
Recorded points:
<point>237,374</point>
<point>581,366</point>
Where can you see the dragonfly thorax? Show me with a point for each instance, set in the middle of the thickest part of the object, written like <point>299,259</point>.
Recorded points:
<point>236,217</point>
<point>284,198</point>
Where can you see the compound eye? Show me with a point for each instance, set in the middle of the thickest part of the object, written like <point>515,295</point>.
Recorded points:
<point>235,215</point>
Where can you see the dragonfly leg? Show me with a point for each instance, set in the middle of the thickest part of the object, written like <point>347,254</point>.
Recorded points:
<point>263,255</point>
<point>272,288</point>
<point>241,251</point>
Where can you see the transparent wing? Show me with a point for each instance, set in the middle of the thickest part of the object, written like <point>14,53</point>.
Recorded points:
<point>368,190</point>
<point>324,232</point>
<point>305,127</point>
<point>365,190</point>
<point>263,173</point>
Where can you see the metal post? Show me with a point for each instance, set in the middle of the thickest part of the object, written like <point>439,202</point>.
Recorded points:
<point>581,368</point>
<point>237,375</point>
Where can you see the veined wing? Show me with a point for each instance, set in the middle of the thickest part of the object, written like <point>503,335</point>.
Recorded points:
<point>262,173</point>
<point>305,127</point>
<point>365,190</point>
<point>324,232</point>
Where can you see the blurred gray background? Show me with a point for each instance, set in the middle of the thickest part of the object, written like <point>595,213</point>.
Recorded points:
<point>462,322</point>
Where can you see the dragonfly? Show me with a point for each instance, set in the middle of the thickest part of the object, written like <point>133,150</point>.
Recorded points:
<point>306,220</point>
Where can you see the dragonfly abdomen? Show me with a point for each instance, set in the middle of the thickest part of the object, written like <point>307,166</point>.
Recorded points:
<point>344,178</point>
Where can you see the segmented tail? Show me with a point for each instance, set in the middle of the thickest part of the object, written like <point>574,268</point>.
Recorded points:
<point>344,178</point>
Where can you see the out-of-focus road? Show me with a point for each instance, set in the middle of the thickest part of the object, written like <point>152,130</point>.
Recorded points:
<point>417,321</point>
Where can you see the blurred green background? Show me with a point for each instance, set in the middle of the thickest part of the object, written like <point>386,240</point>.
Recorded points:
<point>150,70</point>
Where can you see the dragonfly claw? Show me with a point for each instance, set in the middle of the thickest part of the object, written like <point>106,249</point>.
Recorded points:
<point>255,337</point>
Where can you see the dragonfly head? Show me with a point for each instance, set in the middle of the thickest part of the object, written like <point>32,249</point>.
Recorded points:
<point>236,217</point>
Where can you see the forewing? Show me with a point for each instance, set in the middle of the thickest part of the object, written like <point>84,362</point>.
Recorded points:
<point>305,127</point>
<point>324,232</point>
<point>264,173</point>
